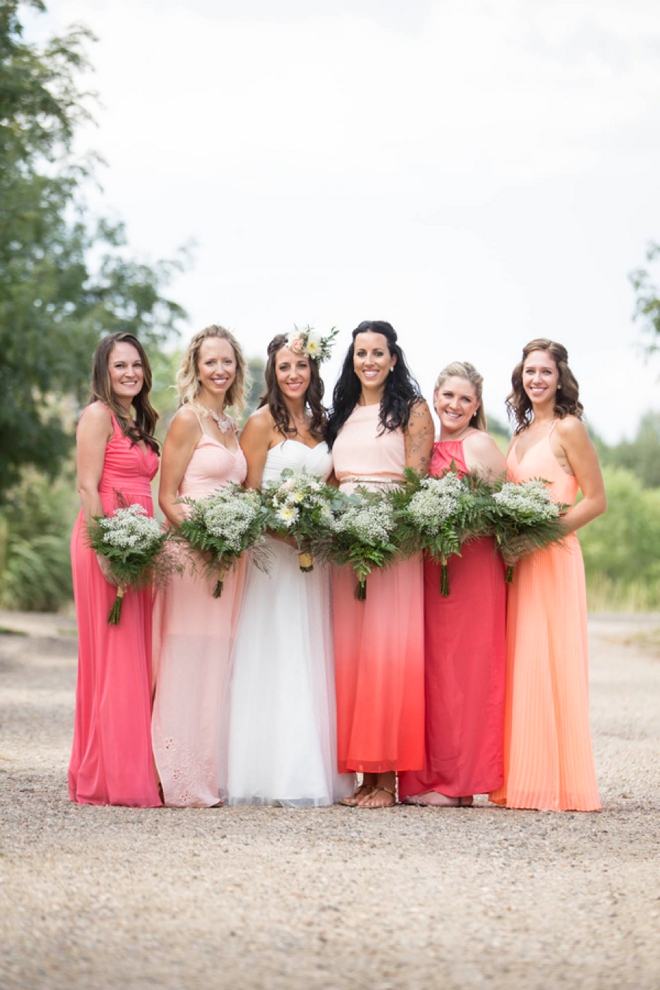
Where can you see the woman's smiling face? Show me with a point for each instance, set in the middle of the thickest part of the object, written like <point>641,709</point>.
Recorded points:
<point>372,360</point>
<point>540,378</point>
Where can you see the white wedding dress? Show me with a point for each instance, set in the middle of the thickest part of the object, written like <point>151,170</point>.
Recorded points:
<point>282,725</point>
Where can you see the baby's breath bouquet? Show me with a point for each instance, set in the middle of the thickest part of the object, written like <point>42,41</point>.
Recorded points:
<point>222,526</point>
<point>133,543</point>
<point>300,505</point>
<point>363,535</point>
<point>439,515</point>
<point>523,517</point>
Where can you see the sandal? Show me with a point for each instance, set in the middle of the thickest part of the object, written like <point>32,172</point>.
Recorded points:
<point>352,802</point>
<point>386,790</point>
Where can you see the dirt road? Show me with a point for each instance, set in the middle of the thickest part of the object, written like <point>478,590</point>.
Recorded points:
<point>271,898</point>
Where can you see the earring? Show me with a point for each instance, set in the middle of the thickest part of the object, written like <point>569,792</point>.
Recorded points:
<point>558,387</point>
<point>391,369</point>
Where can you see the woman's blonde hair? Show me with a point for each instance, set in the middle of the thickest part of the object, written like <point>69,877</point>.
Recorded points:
<point>188,384</point>
<point>463,369</point>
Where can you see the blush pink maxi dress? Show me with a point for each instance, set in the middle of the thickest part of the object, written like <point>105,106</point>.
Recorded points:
<point>379,643</point>
<point>548,755</point>
<point>111,761</point>
<point>193,637</point>
<point>464,636</point>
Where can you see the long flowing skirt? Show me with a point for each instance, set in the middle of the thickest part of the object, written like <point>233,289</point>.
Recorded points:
<point>282,732</point>
<point>193,638</point>
<point>465,668</point>
<point>548,755</point>
<point>379,658</point>
<point>111,760</point>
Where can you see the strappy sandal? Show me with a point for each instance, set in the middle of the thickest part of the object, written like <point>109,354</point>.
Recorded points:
<point>352,802</point>
<point>372,807</point>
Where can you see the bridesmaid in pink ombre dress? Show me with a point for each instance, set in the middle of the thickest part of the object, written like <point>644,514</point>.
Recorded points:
<point>379,425</point>
<point>194,632</point>
<point>111,761</point>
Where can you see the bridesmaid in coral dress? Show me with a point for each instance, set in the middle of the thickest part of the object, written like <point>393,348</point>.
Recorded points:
<point>548,756</point>
<point>193,632</point>
<point>378,426</point>
<point>111,761</point>
<point>464,633</point>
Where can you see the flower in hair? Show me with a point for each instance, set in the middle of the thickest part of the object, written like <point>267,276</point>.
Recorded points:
<point>311,343</point>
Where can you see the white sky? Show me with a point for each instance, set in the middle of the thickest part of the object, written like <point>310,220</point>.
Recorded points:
<point>477,173</point>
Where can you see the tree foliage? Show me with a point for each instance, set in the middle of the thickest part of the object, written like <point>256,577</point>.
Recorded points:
<point>647,301</point>
<point>55,302</point>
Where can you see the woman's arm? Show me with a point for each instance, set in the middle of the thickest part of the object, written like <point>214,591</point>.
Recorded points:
<point>483,456</point>
<point>182,438</point>
<point>583,460</point>
<point>256,442</point>
<point>92,437</point>
<point>419,438</point>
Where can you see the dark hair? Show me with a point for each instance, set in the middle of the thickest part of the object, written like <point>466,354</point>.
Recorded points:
<point>101,390</point>
<point>272,397</point>
<point>401,390</point>
<point>567,401</point>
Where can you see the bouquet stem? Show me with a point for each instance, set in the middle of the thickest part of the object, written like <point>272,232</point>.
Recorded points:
<point>444,578</point>
<point>361,590</point>
<point>220,583</point>
<point>509,574</point>
<point>115,611</point>
<point>305,561</point>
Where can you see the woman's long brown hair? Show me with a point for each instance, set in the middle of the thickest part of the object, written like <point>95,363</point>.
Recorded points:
<point>567,400</point>
<point>101,390</point>
<point>272,397</point>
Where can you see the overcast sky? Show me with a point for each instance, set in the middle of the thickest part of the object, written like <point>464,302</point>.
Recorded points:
<point>476,173</point>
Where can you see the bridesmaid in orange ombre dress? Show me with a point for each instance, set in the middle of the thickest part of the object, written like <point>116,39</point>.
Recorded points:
<point>111,761</point>
<point>378,426</point>
<point>464,633</point>
<point>548,755</point>
<point>193,631</point>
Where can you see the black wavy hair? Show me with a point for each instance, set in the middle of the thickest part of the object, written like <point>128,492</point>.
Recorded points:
<point>401,389</point>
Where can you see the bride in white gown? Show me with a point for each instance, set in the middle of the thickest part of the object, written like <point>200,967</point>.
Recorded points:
<point>282,726</point>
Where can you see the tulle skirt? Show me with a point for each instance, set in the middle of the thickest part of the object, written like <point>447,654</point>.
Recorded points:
<point>282,726</point>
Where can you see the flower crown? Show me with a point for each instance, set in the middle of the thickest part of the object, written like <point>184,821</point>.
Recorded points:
<point>310,343</point>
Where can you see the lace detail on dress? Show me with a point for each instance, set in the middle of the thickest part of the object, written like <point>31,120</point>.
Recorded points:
<point>190,776</point>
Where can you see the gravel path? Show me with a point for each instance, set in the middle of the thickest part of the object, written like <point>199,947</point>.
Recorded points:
<point>272,898</point>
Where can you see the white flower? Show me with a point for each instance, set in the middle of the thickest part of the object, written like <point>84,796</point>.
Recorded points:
<point>287,514</point>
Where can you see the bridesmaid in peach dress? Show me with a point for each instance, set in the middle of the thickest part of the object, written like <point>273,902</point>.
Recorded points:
<point>193,632</point>
<point>378,426</point>
<point>111,761</point>
<point>548,756</point>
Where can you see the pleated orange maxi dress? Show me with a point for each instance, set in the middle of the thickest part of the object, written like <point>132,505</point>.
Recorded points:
<point>379,643</point>
<point>548,754</point>
<point>111,761</point>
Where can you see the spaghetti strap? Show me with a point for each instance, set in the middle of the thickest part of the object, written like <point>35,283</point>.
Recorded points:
<point>552,428</point>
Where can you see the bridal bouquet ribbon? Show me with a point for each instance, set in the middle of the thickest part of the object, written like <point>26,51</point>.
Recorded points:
<point>222,527</point>
<point>133,542</point>
<point>363,535</point>
<point>300,505</point>
<point>524,518</point>
<point>439,515</point>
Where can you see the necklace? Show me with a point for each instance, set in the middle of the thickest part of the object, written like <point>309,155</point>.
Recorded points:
<point>223,424</point>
